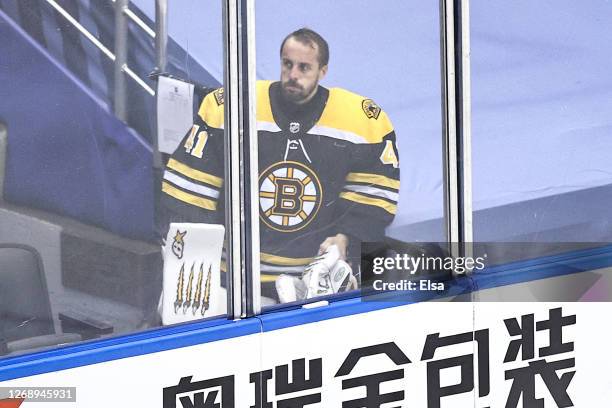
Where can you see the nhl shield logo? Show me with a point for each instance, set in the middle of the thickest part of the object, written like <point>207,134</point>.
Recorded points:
<point>294,127</point>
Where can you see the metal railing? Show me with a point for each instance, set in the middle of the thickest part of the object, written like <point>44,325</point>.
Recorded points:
<point>122,17</point>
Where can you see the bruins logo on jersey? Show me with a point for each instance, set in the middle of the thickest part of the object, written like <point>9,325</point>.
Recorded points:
<point>290,196</point>
<point>219,96</point>
<point>370,108</point>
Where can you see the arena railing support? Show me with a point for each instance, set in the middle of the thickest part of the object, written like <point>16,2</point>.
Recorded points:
<point>242,213</point>
<point>119,57</point>
<point>455,46</point>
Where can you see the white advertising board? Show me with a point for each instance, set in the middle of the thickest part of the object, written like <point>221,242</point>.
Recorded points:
<point>422,355</point>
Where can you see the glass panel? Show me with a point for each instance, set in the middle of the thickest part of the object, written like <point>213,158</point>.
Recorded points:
<point>193,187</point>
<point>80,252</point>
<point>328,156</point>
<point>542,97</point>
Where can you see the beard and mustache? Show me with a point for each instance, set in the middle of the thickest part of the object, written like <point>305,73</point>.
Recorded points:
<point>294,92</point>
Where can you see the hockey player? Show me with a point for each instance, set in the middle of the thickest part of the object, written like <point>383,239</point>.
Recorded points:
<point>329,169</point>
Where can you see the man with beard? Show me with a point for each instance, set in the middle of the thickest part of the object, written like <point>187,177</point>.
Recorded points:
<point>329,169</point>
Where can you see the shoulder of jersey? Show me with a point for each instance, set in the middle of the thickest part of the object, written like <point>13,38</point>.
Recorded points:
<point>358,116</point>
<point>212,107</point>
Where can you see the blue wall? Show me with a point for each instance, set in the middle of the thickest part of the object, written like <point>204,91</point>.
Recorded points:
<point>66,152</point>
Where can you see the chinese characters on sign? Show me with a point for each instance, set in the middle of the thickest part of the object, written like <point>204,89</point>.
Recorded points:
<point>300,384</point>
<point>524,377</point>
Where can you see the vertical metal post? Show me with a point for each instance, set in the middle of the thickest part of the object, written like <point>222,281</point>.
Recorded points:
<point>466,126</point>
<point>233,208</point>
<point>121,44</point>
<point>161,60</point>
<point>161,35</point>
<point>250,151</point>
<point>457,125</point>
<point>449,120</point>
<point>242,209</point>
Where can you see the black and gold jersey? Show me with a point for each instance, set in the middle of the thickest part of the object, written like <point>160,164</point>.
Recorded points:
<point>330,166</point>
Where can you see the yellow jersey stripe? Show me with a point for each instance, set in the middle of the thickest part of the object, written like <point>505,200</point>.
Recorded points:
<point>195,174</point>
<point>373,179</point>
<point>283,261</point>
<point>264,277</point>
<point>361,199</point>
<point>279,260</point>
<point>188,198</point>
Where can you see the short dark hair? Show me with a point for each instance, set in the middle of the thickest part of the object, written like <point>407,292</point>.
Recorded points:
<point>310,37</point>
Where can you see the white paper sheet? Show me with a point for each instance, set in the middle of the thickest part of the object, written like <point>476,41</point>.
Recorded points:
<point>174,112</point>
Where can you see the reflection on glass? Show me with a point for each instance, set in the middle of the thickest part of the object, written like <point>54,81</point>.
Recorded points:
<point>542,98</point>
<point>79,253</point>
<point>192,204</point>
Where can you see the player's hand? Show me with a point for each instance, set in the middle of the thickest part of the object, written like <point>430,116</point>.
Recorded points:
<point>340,240</point>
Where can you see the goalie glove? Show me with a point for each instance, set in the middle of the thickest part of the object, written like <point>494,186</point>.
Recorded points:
<point>338,279</point>
<point>316,276</point>
<point>328,274</point>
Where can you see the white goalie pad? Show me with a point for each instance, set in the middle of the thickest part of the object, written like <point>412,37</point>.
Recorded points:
<point>192,273</point>
<point>290,288</point>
